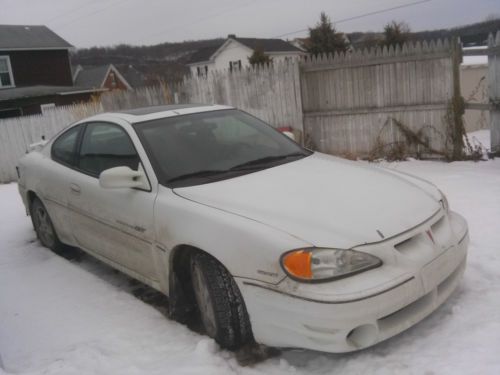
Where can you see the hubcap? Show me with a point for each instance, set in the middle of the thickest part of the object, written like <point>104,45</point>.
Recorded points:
<point>204,302</point>
<point>44,227</point>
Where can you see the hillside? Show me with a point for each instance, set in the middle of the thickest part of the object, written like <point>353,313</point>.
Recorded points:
<point>471,35</point>
<point>167,61</point>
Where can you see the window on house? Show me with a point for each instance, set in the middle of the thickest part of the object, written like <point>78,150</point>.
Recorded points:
<point>202,70</point>
<point>234,65</point>
<point>6,79</point>
<point>112,77</point>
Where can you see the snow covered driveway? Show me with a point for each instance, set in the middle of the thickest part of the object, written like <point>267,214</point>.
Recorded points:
<point>78,316</point>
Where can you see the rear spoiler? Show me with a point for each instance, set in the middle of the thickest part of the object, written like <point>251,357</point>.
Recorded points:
<point>37,146</point>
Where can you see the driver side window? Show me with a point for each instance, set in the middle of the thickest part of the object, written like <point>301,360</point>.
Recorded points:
<point>105,146</point>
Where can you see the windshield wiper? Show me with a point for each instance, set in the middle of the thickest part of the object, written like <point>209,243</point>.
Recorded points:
<point>252,164</point>
<point>203,173</point>
<point>265,160</point>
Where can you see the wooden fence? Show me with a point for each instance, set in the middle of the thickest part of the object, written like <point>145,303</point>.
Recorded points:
<point>16,134</point>
<point>349,104</point>
<point>357,103</point>
<point>494,90</point>
<point>271,93</point>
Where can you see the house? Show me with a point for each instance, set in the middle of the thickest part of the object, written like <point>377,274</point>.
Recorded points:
<point>103,76</point>
<point>134,77</point>
<point>234,52</point>
<point>35,71</point>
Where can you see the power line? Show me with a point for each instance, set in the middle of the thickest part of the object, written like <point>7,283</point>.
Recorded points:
<point>359,16</point>
<point>70,11</point>
<point>198,20</point>
<point>362,16</point>
<point>95,12</point>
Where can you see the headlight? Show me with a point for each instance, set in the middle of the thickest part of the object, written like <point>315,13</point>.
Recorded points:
<point>444,202</point>
<point>321,264</point>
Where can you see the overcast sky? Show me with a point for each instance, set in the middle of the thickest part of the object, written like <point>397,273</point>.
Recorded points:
<point>86,23</point>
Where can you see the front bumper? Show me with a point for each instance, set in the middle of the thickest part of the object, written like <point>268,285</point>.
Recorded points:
<point>282,317</point>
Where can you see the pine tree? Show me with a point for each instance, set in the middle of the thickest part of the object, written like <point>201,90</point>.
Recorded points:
<point>396,33</point>
<point>324,38</point>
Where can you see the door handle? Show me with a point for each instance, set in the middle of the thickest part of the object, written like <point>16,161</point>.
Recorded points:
<point>75,188</point>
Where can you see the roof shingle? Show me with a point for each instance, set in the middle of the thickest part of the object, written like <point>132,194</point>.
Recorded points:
<point>268,45</point>
<point>30,37</point>
<point>91,76</point>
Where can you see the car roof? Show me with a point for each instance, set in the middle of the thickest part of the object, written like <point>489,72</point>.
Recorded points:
<point>137,115</point>
<point>158,108</point>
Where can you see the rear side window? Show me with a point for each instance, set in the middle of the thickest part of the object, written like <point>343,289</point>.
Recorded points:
<point>64,149</point>
<point>105,146</point>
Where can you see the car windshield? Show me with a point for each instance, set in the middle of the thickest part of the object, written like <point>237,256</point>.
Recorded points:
<point>204,147</point>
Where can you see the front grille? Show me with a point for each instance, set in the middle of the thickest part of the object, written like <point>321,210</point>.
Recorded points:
<point>430,239</point>
<point>408,245</point>
<point>406,314</point>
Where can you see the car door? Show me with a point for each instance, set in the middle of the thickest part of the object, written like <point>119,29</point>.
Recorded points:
<point>115,224</point>
<point>53,183</point>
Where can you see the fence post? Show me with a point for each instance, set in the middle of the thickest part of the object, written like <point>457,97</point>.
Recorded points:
<point>457,105</point>
<point>494,90</point>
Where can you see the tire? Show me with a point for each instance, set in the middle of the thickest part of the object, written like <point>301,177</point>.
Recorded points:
<point>44,228</point>
<point>220,304</point>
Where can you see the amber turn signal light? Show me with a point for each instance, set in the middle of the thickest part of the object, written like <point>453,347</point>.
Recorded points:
<point>298,263</point>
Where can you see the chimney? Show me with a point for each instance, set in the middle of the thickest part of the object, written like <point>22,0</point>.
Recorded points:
<point>231,36</point>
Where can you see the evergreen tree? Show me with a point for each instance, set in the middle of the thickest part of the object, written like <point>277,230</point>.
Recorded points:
<point>324,38</point>
<point>396,33</point>
<point>259,57</point>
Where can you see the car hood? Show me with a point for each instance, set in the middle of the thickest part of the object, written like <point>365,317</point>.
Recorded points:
<point>324,200</point>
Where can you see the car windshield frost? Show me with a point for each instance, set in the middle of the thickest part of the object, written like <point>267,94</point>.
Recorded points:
<point>203,147</point>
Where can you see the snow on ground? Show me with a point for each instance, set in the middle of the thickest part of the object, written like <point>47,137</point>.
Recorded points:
<point>77,316</point>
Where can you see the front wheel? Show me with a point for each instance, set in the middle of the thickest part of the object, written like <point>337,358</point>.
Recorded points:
<point>44,228</point>
<point>220,304</point>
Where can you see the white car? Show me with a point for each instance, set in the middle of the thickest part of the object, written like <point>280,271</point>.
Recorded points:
<point>264,240</point>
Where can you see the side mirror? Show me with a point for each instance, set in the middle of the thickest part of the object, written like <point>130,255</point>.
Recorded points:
<point>123,177</point>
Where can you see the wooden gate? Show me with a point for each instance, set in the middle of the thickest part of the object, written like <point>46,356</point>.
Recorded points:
<point>356,102</point>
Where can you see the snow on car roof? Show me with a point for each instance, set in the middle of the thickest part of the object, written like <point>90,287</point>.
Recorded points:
<point>145,114</point>
<point>158,108</point>
<point>156,112</point>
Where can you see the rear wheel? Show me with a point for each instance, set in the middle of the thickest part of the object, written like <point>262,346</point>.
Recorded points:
<point>220,305</point>
<point>44,228</point>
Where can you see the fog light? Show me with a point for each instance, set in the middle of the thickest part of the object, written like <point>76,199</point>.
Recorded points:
<point>362,336</point>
